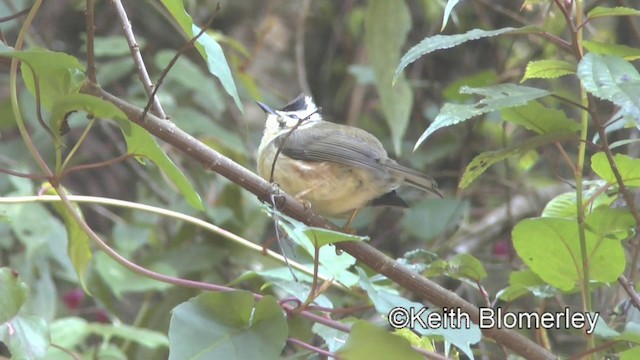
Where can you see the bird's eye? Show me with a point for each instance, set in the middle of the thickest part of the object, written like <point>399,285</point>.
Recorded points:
<point>294,116</point>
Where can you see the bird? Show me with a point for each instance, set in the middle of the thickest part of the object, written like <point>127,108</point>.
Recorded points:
<point>336,169</point>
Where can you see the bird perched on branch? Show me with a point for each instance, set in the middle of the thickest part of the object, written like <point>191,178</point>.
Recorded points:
<point>337,169</point>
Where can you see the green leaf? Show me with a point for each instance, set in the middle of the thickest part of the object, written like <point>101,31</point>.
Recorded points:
<point>139,141</point>
<point>431,217</point>
<point>332,265</point>
<point>385,301</point>
<point>626,52</point>
<point>26,337</point>
<point>69,332</point>
<point>145,337</point>
<point>482,162</point>
<point>227,325</point>
<point>539,118</point>
<point>551,247</point>
<point>334,339</point>
<point>122,280</point>
<point>439,42</point>
<point>628,167</point>
<point>387,23</point>
<point>368,341</point>
<point>78,246</point>
<point>13,294</point>
<point>524,282</point>
<point>564,205</point>
<point>466,266</point>
<point>548,69</point>
<point>600,11</point>
<point>208,48</point>
<point>479,79</point>
<point>495,98</point>
<point>613,79</point>
<point>631,354</point>
<point>58,74</point>
<point>447,12</point>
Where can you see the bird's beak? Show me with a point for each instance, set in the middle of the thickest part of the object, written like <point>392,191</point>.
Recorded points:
<point>265,108</point>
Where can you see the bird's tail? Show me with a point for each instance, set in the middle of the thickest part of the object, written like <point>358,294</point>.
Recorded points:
<point>415,178</point>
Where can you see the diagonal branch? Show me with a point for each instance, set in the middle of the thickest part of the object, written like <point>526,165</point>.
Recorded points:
<point>419,285</point>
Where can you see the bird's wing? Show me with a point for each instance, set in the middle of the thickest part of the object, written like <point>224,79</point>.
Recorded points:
<point>309,144</point>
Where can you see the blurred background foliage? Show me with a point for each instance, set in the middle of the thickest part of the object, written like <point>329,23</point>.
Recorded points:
<point>276,49</point>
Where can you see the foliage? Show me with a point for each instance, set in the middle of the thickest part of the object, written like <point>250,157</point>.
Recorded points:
<point>115,244</point>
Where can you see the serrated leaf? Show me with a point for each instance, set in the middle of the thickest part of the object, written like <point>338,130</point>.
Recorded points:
<point>495,98</point>
<point>439,42</point>
<point>551,247</point>
<point>628,167</point>
<point>600,11</point>
<point>482,162</point>
<point>227,325</point>
<point>611,78</point>
<point>548,69</point>
<point>626,52</point>
<point>208,48</point>
<point>387,23</point>
<point>367,341</point>
<point>447,12</point>
<point>539,118</point>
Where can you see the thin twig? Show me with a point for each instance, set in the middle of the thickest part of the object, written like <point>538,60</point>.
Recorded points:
<point>301,69</point>
<point>15,16</point>
<point>175,58</point>
<point>143,74</point>
<point>91,34</point>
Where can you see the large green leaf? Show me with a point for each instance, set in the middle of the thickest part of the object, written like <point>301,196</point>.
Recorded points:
<point>208,48</point>
<point>551,247</point>
<point>495,98</point>
<point>58,74</point>
<point>368,341</point>
<point>628,168</point>
<point>387,23</point>
<point>227,325</point>
<point>611,78</point>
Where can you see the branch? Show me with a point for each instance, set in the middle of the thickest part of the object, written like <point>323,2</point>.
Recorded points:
<point>137,57</point>
<point>419,285</point>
